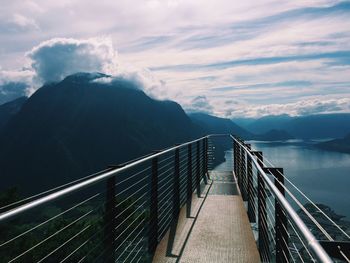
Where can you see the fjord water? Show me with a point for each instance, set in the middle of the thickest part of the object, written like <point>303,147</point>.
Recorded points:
<point>323,176</point>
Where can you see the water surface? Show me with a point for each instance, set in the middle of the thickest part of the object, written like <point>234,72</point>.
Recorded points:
<point>323,175</point>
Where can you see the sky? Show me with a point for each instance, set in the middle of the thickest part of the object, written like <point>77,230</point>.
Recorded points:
<point>228,58</point>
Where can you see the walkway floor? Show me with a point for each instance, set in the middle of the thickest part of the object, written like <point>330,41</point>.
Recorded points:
<point>216,230</point>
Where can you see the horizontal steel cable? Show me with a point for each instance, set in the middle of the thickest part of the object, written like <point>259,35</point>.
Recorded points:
<point>62,245</point>
<point>49,237</point>
<point>132,176</point>
<point>310,201</point>
<point>50,219</point>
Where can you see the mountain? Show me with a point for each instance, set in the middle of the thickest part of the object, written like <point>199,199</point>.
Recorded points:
<point>305,127</point>
<point>337,145</point>
<point>274,135</point>
<point>267,123</point>
<point>243,122</point>
<point>9,109</point>
<point>81,125</point>
<point>320,126</point>
<point>212,124</point>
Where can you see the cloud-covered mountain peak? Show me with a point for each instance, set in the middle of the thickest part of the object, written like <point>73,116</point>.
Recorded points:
<point>85,77</point>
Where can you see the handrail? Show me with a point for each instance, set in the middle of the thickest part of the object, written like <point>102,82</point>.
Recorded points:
<point>312,242</point>
<point>78,186</point>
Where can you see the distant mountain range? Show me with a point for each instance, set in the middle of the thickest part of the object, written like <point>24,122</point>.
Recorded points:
<point>337,145</point>
<point>302,127</point>
<point>274,135</point>
<point>213,124</point>
<point>79,126</point>
<point>82,124</point>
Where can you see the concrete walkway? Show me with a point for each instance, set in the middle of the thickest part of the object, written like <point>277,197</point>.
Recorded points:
<point>215,230</point>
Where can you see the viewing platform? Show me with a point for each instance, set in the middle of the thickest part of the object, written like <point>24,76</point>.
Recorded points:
<point>213,199</point>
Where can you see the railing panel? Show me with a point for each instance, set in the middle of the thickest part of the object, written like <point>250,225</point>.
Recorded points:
<point>103,222</point>
<point>183,175</point>
<point>282,235</point>
<point>122,213</point>
<point>118,215</point>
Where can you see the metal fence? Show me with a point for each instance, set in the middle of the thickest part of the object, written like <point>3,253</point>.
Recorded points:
<point>117,215</point>
<point>284,235</point>
<point>121,214</point>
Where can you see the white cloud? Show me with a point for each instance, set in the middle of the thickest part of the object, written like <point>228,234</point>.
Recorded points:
<point>57,58</point>
<point>309,106</point>
<point>24,22</point>
<point>24,76</point>
<point>14,84</point>
<point>54,59</point>
<point>154,33</point>
<point>199,104</point>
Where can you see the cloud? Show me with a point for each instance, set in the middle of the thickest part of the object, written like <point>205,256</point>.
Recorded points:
<point>54,59</point>
<point>14,84</point>
<point>199,104</point>
<point>341,57</point>
<point>261,53</point>
<point>24,22</point>
<point>57,58</point>
<point>24,75</point>
<point>146,81</point>
<point>303,107</point>
<point>12,90</point>
<point>322,106</point>
<point>18,23</point>
<point>141,79</point>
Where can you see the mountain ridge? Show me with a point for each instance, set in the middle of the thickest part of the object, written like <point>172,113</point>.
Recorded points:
<point>86,122</point>
<point>335,125</point>
<point>79,126</point>
<point>214,124</point>
<point>9,109</point>
<point>337,145</point>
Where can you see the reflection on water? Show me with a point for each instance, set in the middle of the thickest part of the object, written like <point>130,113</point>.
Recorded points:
<point>324,176</point>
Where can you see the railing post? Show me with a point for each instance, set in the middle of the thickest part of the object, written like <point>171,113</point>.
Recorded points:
<point>243,175</point>
<point>238,169</point>
<point>234,147</point>
<point>207,156</point>
<point>110,220</point>
<point>204,149</point>
<point>281,227</point>
<point>176,185</point>
<point>189,180</point>
<point>241,165</point>
<point>153,221</point>
<point>198,171</point>
<point>250,188</point>
<point>262,214</point>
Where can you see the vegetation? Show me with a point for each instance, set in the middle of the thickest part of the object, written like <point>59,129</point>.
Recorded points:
<point>77,234</point>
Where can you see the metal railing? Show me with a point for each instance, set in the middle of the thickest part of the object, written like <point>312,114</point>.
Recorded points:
<point>122,213</point>
<point>118,215</point>
<point>282,235</point>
